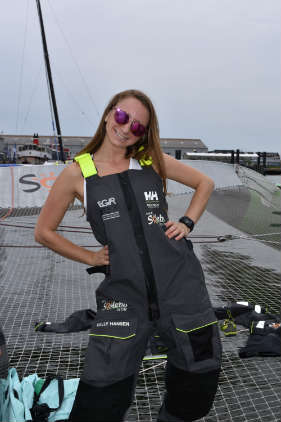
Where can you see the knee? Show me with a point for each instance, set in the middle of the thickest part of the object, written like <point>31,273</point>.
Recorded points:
<point>190,396</point>
<point>103,404</point>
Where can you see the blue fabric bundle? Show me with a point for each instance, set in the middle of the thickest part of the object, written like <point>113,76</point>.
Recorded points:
<point>16,398</point>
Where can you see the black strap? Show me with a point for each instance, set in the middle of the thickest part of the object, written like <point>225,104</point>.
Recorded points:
<point>47,382</point>
<point>104,269</point>
<point>40,412</point>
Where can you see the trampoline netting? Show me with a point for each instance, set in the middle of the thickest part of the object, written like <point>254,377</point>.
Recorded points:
<point>38,285</point>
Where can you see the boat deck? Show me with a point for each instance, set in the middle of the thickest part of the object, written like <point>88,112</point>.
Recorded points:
<point>38,285</point>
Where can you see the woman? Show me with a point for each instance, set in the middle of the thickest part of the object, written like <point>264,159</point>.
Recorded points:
<point>153,279</point>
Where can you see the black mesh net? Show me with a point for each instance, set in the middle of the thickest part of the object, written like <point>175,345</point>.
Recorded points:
<point>237,244</point>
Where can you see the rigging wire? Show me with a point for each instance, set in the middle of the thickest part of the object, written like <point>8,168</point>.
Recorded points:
<point>34,90</point>
<point>75,61</point>
<point>83,113</point>
<point>87,89</point>
<point>22,66</point>
<point>87,230</point>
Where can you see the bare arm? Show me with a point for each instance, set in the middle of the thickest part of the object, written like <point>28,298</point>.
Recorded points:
<point>62,194</point>
<point>193,178</point>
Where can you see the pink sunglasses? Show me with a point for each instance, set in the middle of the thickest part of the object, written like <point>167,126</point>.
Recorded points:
<point>121,117</point>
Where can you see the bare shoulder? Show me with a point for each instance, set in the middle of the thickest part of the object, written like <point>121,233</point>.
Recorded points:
<point>70,176</point>
<point>183,173</point>
<point>73,170</point>
<point>67,185</point>
<point>62,194</point>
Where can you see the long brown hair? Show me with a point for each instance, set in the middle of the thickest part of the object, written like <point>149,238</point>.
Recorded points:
<point>150,141</point>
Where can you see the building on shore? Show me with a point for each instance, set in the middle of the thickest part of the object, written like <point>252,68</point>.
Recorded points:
<point>35,149</point>
<point>12,147</point>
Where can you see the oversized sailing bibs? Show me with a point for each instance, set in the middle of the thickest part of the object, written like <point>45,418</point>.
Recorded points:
<point>154,282</point>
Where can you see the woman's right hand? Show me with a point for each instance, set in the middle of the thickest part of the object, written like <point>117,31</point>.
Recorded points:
<point>101,257</point>
<point>65,189</point>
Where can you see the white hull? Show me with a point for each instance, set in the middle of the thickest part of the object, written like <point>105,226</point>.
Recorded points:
<point>33,154</point>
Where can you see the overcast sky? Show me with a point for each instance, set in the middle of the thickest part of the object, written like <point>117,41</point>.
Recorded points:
<point>211,67</point>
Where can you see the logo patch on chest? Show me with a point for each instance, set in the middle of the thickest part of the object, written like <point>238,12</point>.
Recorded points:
<point>108,207</point>
<point>107,202</point>
<point>110,215</point>
<point>151,195</point>
<point>155,219</point>
<point>151,199</point>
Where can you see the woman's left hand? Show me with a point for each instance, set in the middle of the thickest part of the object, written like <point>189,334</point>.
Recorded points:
<point>176,229</point>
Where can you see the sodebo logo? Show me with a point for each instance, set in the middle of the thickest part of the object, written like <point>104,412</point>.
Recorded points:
<point>107,202</point>
<point>155,219</point>
<point>151,196</point>
<point>35,183</point>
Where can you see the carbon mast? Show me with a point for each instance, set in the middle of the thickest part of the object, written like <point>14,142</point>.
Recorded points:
<point>50,80</point>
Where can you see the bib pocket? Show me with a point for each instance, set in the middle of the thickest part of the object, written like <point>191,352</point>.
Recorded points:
<point>197,337</point>
<point>111,347</point>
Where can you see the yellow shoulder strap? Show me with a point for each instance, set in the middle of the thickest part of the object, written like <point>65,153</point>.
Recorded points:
<point>86,164</point>
<point>145,161</point>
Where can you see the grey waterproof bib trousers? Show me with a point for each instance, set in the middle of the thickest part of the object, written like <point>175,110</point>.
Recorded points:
<point>153,283</point>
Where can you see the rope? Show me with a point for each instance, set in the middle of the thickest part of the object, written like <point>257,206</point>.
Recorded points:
<point>152,367</point>
<point>87,230</point>
<point>32,225</point>
<point>196,236</point>
<point>233,237</point>
<point>59,230</point>
<point>3,245</point>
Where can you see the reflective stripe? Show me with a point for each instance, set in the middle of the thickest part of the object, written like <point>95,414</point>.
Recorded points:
<point>252,327</point>
<point>154,357</point>
<point>86,164</point>
<point>105,335</point>
<point>198,328</point>
<point>38,325</point>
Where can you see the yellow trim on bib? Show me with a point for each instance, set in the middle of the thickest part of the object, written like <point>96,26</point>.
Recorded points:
<point>86,164</point>
<point>198,328</point>
<point>154,357</point>
<point>118,338</point>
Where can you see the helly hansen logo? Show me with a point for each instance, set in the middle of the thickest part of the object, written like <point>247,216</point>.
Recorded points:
<point>107,202</point>
<point>151,196</point>
<point>113,324</point>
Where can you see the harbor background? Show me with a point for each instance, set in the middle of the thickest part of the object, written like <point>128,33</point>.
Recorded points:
<point>212,69</point>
